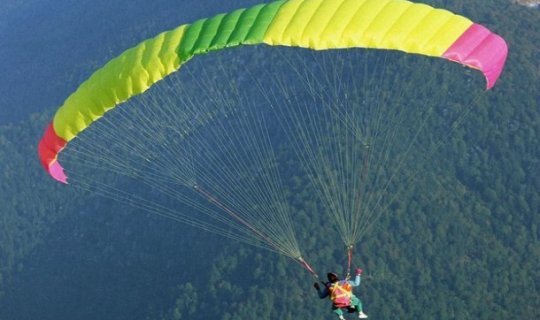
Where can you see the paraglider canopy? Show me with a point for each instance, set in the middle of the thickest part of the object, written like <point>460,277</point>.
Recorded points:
<point>316,24</point>
<point>349,123</point>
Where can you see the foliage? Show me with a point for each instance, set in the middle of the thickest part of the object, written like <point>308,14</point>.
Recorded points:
<point>462,242</point>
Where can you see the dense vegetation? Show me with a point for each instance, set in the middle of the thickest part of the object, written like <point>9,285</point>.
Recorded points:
<point>463,242</point>
<point>73,38</point>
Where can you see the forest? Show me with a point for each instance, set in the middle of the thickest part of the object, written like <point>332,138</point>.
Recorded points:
<point>460,241</point>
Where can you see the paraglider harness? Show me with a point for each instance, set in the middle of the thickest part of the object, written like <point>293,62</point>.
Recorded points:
<point>340,292</point>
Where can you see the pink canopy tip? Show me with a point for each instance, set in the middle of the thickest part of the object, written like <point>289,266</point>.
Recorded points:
<point>49,147</point>
<point>481,49</point>
<point>57,172</point>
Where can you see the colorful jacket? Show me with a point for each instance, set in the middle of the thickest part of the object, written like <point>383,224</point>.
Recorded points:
<point>339,292</point>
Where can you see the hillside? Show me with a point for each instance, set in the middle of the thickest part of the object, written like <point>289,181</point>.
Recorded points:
<point>528,3</point>
<point>462,242</point>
